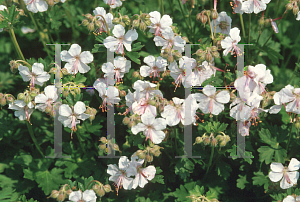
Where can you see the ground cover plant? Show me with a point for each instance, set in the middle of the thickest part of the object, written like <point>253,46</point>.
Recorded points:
<point>163,100</point>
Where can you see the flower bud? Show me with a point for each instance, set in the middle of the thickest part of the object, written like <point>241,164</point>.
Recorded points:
<point>227,138</point>
<point>185,38</point>
<point>65,93</point>
<point>149,158</point>
<point>289,6</point>
<point>208,13</point>
<point>214,14</point>
<point>14,66</point>
<point>148,22</point>
<point>214,142</point>
<point>116,21</point>
<point>94,111</point>
<point>126,19</point>
<point>100,192</point>
<point>10,99</point>
<point>92,117</point>
<point>136,24</point>
<point>33,94</point>
<point>54,194</point>
<point>295,9</point>
<point>267,22</point>
<point>126,120</point>
<point>198,16</point>
<point>122,93</point>
<point>116,147</point>
<point>135,74</point>
<point>96,187</point>
<point>64,71</point>
<point>69,191</point>
<point>77,90</point>
<point>297,125</point>
<point>52,113</point>
<point>91,27</point>
<point>50,2</point>
<point>223,143</point>
<point>103,140</point>
<point>48,109</point>
<point>261,21</point>
<point>21,12</point>
<point>143,26</point>
<point>214,200</point>
<point>3,101</point>
<point>61,196</point>
<point>177,55</point>
<point>107,188</point>
<point>98,23</point>
<point>170,58</point>
<point>21,96</point>
<point>206,140</point>
<point>215,54</point>
<point>27,99</point>
<point>208,57</point>
<point>89,16</point>
<point>1,95</point>
<point>102,146</point>
<point>198,140</point>
<point>85,22</point>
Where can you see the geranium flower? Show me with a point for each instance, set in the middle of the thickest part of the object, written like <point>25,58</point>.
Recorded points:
<point>151,127</point>
<point>280,98</point>
<point>154,67</point>
<point>178,73</point>
<point>244,128</point>
<point>212,102</point>
<point>240,111</point>
<point>237,7</point>
<point>298,16</point>
<point>47,99</point>
<point>291,198</point>
<point>23,110</point>
<point>37,76</point>
<point>119,68</point>
<point>231,41</point>
<point>170,40</point>
<point>76,61</point>
<point>255,5</point>
<point>292,95</point>
<point>107,16</point>
<point>120,38</point>
<point>108,94</point>
<point>222,23</point>
<point>143,174</point>
<point>36,5</point>
<point>201,73</point>
<point>159,24</point>
<point>130,99</point>
<point>263,77</point>
<point>143,106</point>
<point>113,3</point>
<point>87,196</point>
<point>121,175</point>
<point>70,117</point>
<point>289,175</point>
<point>26,30</point>
<point>146,89</point>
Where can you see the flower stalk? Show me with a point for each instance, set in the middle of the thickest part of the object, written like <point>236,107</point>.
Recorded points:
<point>15,42</point>
<point>29,127</point>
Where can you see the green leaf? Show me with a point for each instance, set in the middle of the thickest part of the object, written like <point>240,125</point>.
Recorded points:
<point>260,179</point>
<point>70,99</point>
<point>265,154</point>
<point>80,78</point>
<point>134,56</point>
<point>223,169</point>
<point>137,46</point>
<point>241,182</point>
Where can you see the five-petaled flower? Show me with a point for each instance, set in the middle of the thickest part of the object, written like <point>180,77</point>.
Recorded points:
<point>37,76</point>
<point>159,24</point>
<point>23,110</point>
<point>289,175</point>
<point>231,41</point>
<point>113,3</point>
<point>76,61</point>
<point>46,100</point>
<point>70,117</point>
<point>154,67</point>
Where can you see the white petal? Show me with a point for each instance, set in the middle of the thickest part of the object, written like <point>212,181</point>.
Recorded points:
<point>113,169</point>
<point>123,162</point>
<point>157,136</point>
<point>140,127</point>
<point>149,172</point>
<point>148,118</point>
<point>275,177</point>
<point>74,50</point>
<point>83,68</point>
<point>159,124</point>
<point>294,165</point>
<point>42,78</point>
<point>79,107</point>
<point>131,35</point>
<point>75,196</point>
<point>289,199</point>
<point>41,98</point>
<point>118,31</point>
<point>209,90</point>
<point>65,56</point>
<point>65,110</point>
<point>86,57</point>
<point>89,196</point>
<point>223,97</point>
<point>51,92</point>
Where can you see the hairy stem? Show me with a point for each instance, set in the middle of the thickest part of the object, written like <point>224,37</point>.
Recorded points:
<point>15,42</point>
<point>243,27</point>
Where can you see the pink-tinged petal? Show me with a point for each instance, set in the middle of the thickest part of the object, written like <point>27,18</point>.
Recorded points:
<point>159,41</point>
<point>118,31</point>
<point>113,169</point>
<point>151,109</point>
<point>83,68</point>
<point>86,57</point>
<point>142,181</point>
<point>274,176</point>
<point>209,90</point>
<point>71,68</point>
<point>159,124</point>
<point>157,136</point>
<point>293,177</point>
<point>41,98</point>
<point>51,92</point>
<point>75,196</point>
<point>41,5</point>
<point>276,167</point>
<point>223,97</point>
<point>140,127</point>
<point>149,172</point>
<point>148,119</point>
<point>65,110</point>
<point>79,107</point>
<point>89,196</point>
<point>294,165</point>
<point>75,50</point>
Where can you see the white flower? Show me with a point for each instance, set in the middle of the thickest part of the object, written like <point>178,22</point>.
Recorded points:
<point>151,127</point>
<point>113,3</point>
<point>240,111</point>
<point>70,117</point>
<point>108,94</point>
<point>292,198</point>
<point>170,40</point>
<point>121,175</point>
<point>201,73</point>
<point>47,99</point>
<point>76,61</point>
<point>143,174</point>
<point>298,16</point>
<point>292,95</point>
<point>120,38</point>
<point>108,18</point>
<point>263,77</point>
<point>280,98</point>
<point>146,89</point>
<point>274,26</point>
<point>159,24</point>
<point>143,106</point>
<point>289,175</point>
<point>244,128</point>
<point>210,101</point>
<point>153,68</point>
<point>119,68</point>
<point>222,23</point>
<point>87,196</point>
<point>254,5</point>
<point>36,5</point>
<point>230,42</point>
<point>2,7</point>
<point>23,111</point>
<point>178,73</point>
<point>237,7</point>
<point>26,30</point>
<point>37,76</point>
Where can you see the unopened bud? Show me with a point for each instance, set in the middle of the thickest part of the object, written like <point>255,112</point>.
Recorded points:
<point>148,22</point>
<point>215,54</point>
<point>116,20</point>
<point>64,71</point>
<point>1,95</point>
<point>33,94</point>
<point>126,19</point>
<point>3,101</point>
<point>92,117</point>
<point>206,140</point>
<point>21,12</point>
<point>227,138</point>
<point>223,143</point>
<point>261,21</point>
<point>208,12</point>
<point>85,22</point>
<point>48,109</point>
<point>214,48</point>
<point>77,90</point>
<point>208,57</point>
<point>289,6</point>
<point>185,38</point>
<point>177,55</point>
<point>136,23</point>
<point>143,26</point>
<point>107,188</point>
<point>10,99</point>
<point>69,191</point>
<point>198,140</point>
<point>103,140</point>
<point>89,16</point>
<point>214,142</point>
<point>61,196</point>
<point>295,9</point>
<point>100,192</point>
<point>54,194</point>
<point>149,158</point>
<point>65,93</point>
<point>170,58</point>
<point>135,74</point>
<point>126,120</point>
<point>27,99</point>
<point>214,14</point>
<point>267,22</point>
<point>214,200</point>
<point>102,146</point>
<point>96,187</point>
<point>122,93</point>
<point>21,96</point>
<point>91,27</point>
<point>198,16</point>
<point>98,23</point>
<point>14,66</point>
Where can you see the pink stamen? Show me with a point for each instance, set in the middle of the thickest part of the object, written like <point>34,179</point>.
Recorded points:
<point>75,66</point>
<point>215,5</point>
<point>287,178</point>
<point>157,30</point>
<point>211,105</point>
<point>30,2</point>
